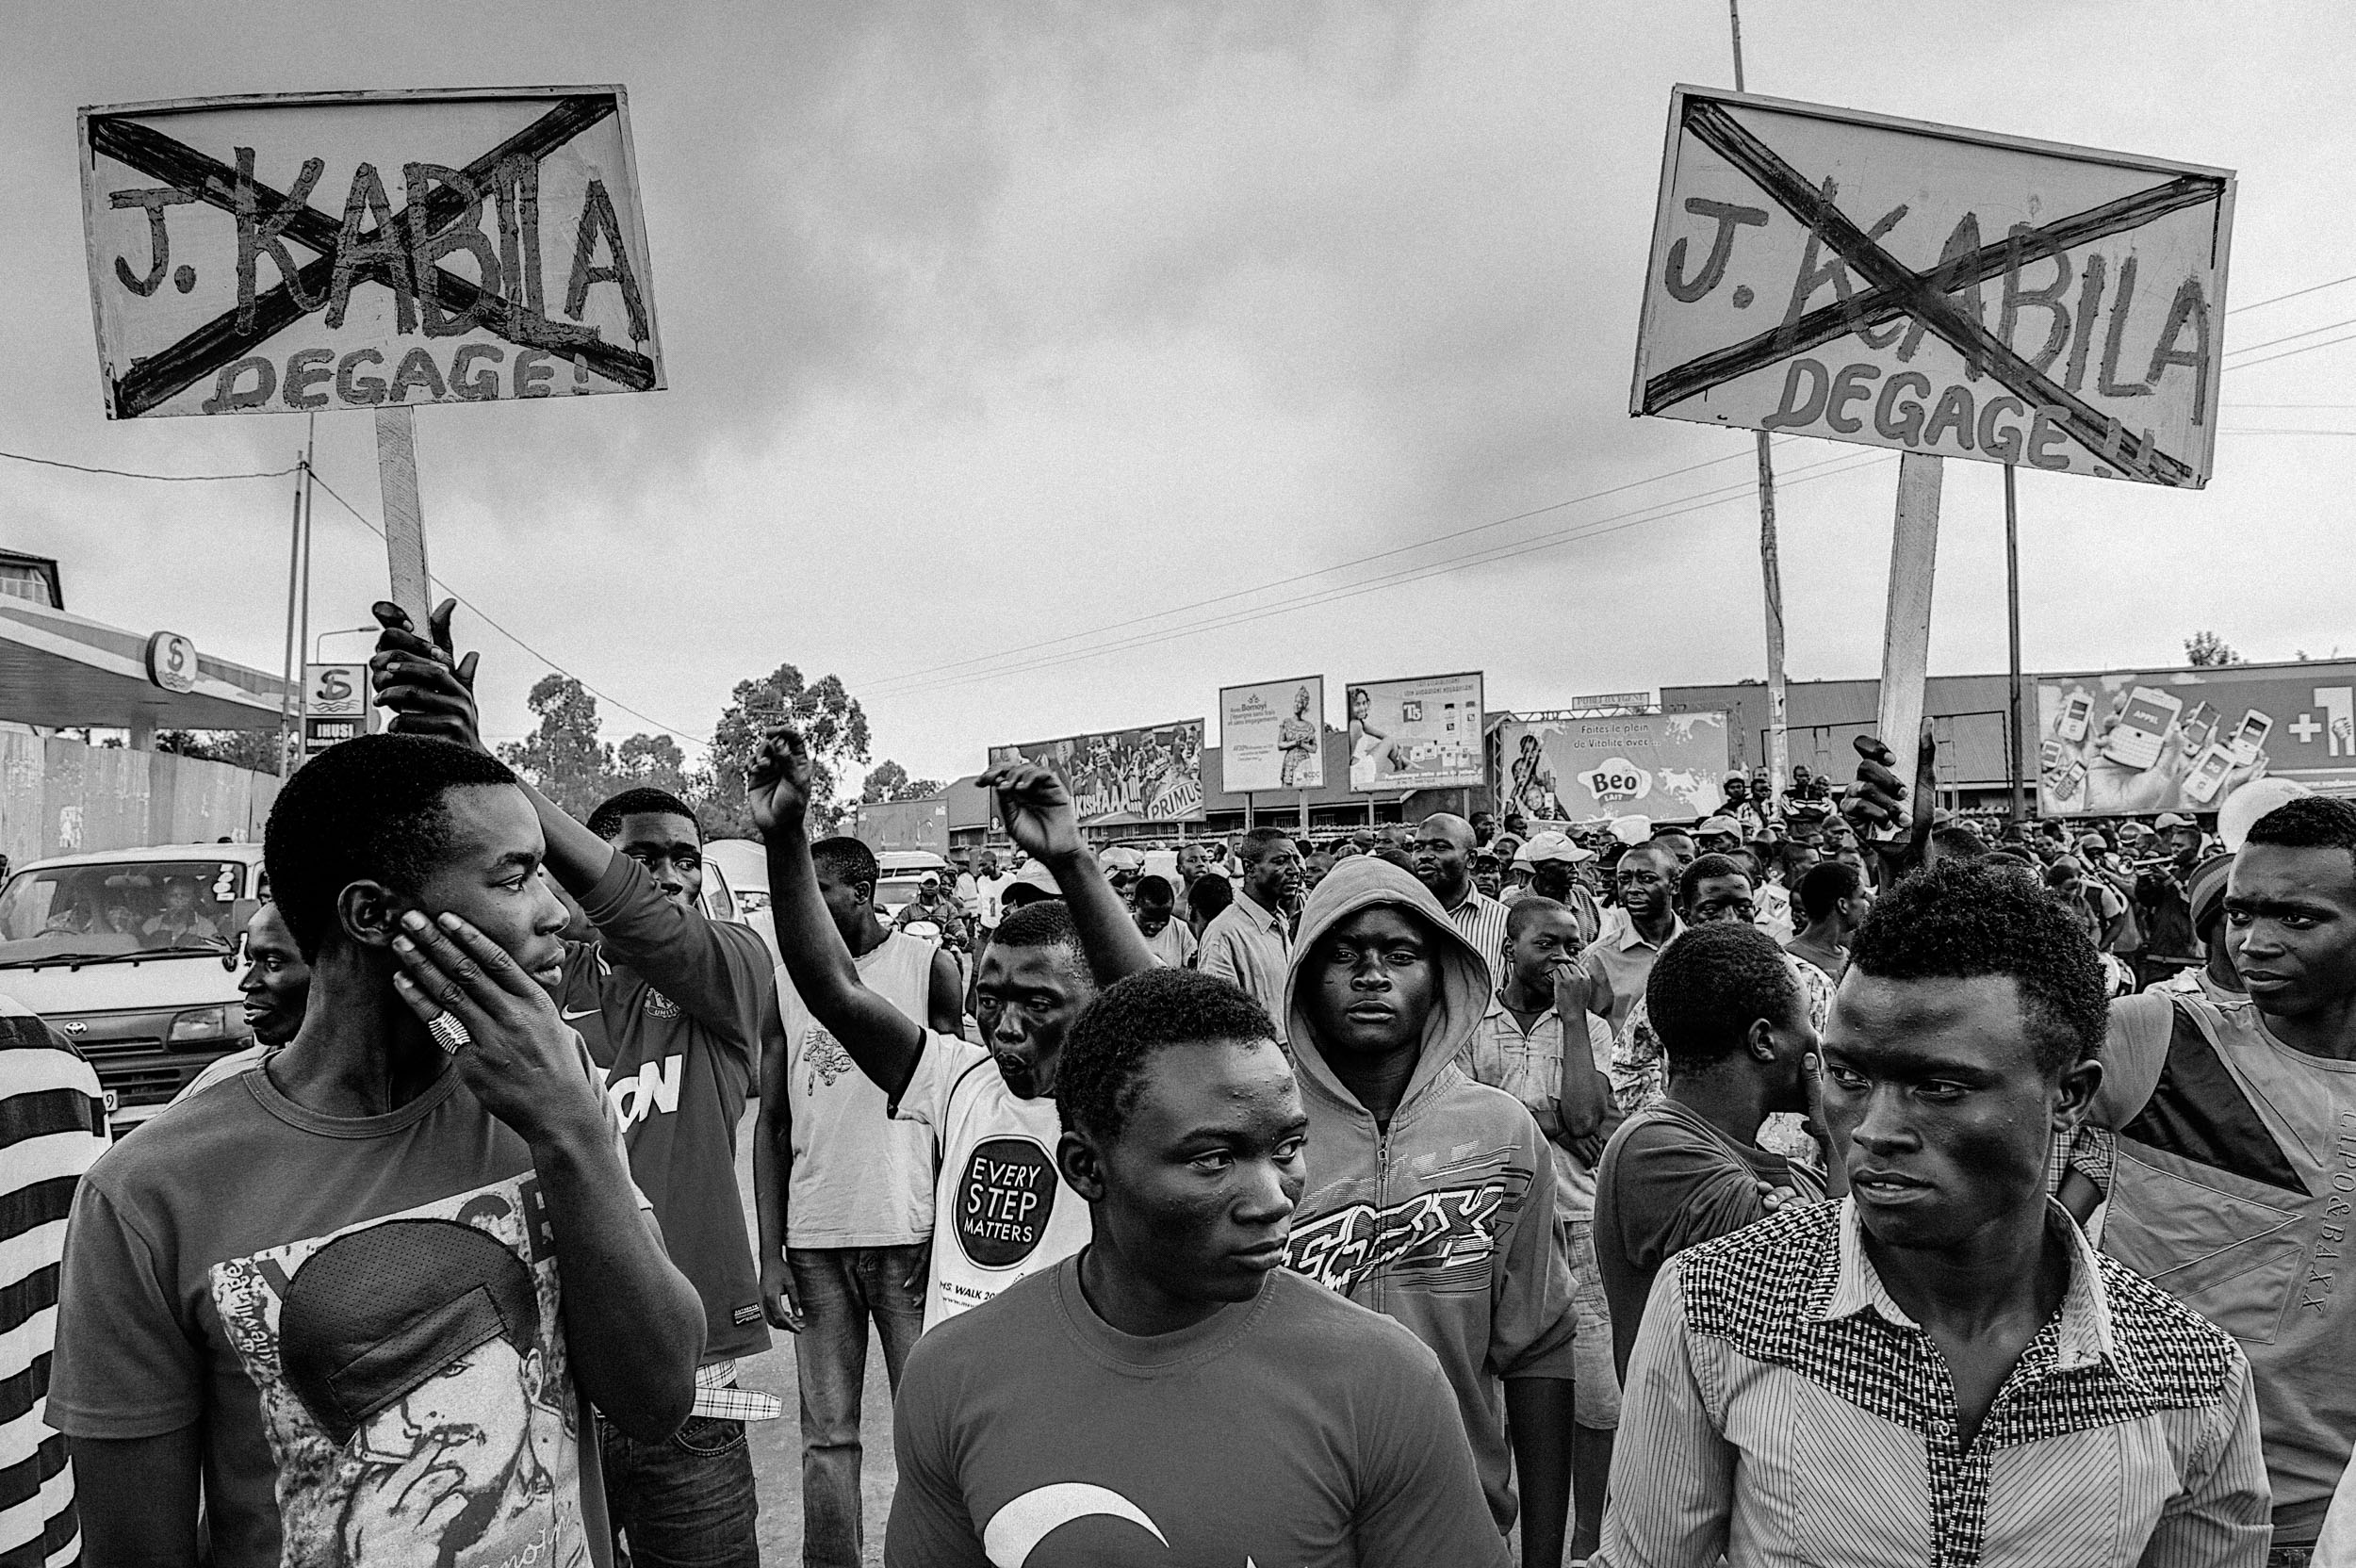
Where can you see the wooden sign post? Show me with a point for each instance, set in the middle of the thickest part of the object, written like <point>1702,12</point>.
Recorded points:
<point>1906,623</point>
<point>404,519</point>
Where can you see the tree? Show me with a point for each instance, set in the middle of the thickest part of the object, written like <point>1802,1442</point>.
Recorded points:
<point>256,749</point>
<point>652,761</point>
<point>888,781</point>
<point>2207,649</point>
<point>564,757</point>
<point>829,718</point>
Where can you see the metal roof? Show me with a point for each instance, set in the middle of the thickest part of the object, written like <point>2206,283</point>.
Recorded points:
<point>59,669</point>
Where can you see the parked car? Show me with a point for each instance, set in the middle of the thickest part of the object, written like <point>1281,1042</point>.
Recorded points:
<point>743,864</point>
<point>133,955</point>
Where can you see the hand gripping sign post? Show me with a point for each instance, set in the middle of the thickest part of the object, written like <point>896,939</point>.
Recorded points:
<point>289,253</point>
<point>1949,293</point>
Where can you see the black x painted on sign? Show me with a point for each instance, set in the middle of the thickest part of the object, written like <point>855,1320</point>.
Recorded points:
<point>236,332</point>
<point>1898,290</point>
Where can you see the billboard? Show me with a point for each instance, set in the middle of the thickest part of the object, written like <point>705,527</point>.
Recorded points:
<point>1666,766</point>
<point>1825,272</point>
<point>1271,736</point>
<point>302,252</point>
<point>1119,776</point>
<point>1420,734</point>
<point>887,825</point>
<point>2135,741</point>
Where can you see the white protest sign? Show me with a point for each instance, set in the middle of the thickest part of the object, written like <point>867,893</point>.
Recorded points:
<point>1272,736</point>
<point>365,250</point>
<point>1944,292</point>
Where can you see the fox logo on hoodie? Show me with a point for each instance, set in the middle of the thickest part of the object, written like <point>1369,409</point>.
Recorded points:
<point>1431,1230</point>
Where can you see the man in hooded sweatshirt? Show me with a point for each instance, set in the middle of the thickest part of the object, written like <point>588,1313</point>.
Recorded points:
<point>1431,1197</point>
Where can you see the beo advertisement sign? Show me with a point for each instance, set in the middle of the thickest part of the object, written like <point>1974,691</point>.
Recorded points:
<point>1418,734</point>
<point>1666,766</point>
<point>1271,736</point>
<point>2134,741</point>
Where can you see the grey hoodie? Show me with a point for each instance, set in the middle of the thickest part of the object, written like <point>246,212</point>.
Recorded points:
<point>1445,1219</point>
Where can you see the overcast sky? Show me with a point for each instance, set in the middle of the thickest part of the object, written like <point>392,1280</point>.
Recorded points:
<point>990,327</point>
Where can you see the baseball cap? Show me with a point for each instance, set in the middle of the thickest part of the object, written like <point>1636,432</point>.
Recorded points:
<point>1708,826</point>
<point>2170,820</point>
<point>2092,842</point>
<point>1631,830</point>
<point>1554,846</point>
<point>1035,874</point>
<point>930,879</point>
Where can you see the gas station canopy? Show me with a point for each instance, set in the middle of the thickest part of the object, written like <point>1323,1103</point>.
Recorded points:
<point>57,669</point>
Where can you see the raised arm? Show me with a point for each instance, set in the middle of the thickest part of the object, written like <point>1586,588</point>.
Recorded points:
<point>884,1041</point>
<point>772,1171</point>
<point>1039,816</point>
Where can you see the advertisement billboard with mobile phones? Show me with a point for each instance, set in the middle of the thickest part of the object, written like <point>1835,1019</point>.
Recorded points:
<point>2125,742</point>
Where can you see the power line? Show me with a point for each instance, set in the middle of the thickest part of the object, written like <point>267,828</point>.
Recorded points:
<point>676,731</point>
<point>126,473</point>
<point>2293,336</point>
<point>912,679</point>
<point>2311,289</point>
<point>2288,354</point>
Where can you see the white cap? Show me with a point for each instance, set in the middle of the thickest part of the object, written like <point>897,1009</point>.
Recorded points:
<point>1631,831</point>
<point>1035,874</point>
<point>1553,846</point>
<point>2244,806</point>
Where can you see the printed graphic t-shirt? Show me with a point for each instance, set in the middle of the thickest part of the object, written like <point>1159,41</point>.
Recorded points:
<point>999,1209</point>
<point>1295,1428</point>
<point>364,1313</point>
<point>860,1178</point>
<point>671,1007</point>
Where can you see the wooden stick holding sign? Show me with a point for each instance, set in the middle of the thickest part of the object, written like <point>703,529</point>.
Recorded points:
<point>1906,624</point>
<point>404,519</point>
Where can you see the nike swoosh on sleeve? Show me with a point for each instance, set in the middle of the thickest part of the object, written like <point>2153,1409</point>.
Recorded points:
<point>569,1014</point>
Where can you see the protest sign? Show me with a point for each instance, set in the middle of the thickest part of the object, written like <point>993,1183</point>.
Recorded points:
<point>2183,740</point>
<point>1271,736</point>
<point>1666,766</point>
<point>1419,734</point>
<point>361,250</point>
<point>1941,291</point>
<point>1120,776</point>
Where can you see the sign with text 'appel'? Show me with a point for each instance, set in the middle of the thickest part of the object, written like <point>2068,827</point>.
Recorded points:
<point>342,251</point>
<point>1825,272</point>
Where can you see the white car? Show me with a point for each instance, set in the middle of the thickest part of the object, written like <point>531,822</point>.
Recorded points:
<point>743,865</point>
<point>133,955</point>
<point>903,869</point>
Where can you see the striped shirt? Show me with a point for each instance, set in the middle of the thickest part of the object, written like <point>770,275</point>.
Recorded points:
<point>1780,1407</point>
<point>52,1127</point>
<point>1481,918</point>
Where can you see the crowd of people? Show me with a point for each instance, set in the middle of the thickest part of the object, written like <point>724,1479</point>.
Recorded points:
<point>1817,1181</point>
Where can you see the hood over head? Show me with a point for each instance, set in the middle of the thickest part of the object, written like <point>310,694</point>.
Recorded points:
<point>1360,882</point>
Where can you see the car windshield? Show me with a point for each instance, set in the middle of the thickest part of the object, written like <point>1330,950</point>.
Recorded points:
<point>113,906</point>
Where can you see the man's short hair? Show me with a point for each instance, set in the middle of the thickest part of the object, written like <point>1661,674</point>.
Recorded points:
<point>1711,985</point>
<point>369,809</point>
<point>1958,843</point>
<point>1701,869</point>
<point>846,860</point>
<point>1104,1056</point>
<point>1524,912</point>
<point>437,1287</point>
<point>1962,920</point>
<point>1045,924</point>
<point>1207,895</point>
<point>1257,842</point>
<point>1156,889</point>
<point>2306,821</point>
<point>1825,884</point>
<point>606,820</point>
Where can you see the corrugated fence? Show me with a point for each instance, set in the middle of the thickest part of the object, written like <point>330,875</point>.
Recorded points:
<point>63,797</point>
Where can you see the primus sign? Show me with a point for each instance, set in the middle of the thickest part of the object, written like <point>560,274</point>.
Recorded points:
<point>1941,291</point>
<point>359,249</point>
